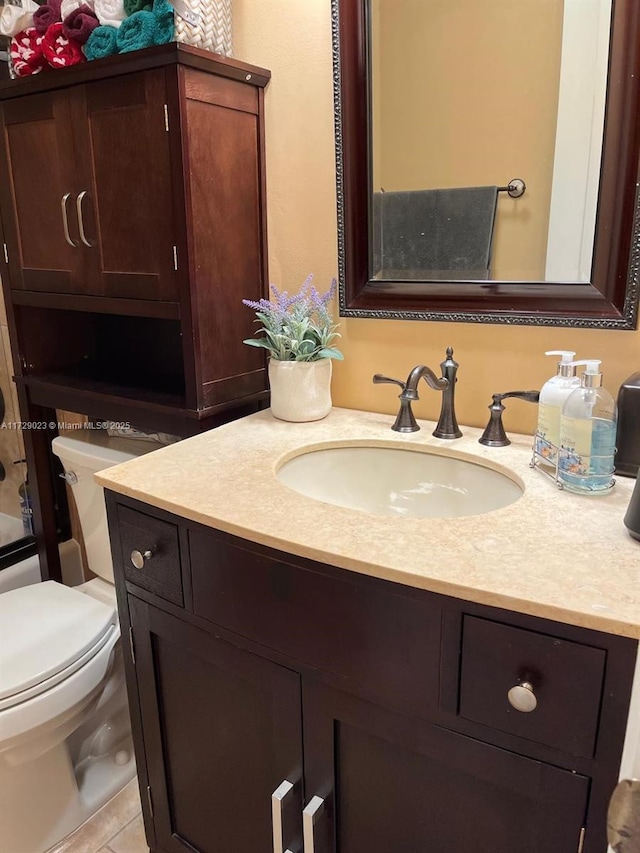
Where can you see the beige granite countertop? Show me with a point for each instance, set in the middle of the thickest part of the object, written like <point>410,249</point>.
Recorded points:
<point>551,554</point>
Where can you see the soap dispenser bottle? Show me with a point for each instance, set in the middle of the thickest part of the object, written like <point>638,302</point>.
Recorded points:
<point>553,396</point>
<point>588,434</point>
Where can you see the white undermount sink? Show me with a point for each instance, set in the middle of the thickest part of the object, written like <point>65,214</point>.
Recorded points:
<point>396,481</point>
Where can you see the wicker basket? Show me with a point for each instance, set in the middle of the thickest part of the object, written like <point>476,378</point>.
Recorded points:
<point>205,24</point>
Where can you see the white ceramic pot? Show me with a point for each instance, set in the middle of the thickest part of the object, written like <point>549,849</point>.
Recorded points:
<point>300,390</point>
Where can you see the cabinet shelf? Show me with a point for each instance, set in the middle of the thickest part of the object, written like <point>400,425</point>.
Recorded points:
<point>97,304</point>
<point>143,408</point>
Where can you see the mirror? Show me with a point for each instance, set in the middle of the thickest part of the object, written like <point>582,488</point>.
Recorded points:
<point>487,159</point>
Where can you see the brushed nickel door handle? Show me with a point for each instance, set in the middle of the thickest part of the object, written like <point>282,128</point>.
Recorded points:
<point>83,235</point>
<point>65,220</point>
<point>281,793</point>
<point>310,815</point>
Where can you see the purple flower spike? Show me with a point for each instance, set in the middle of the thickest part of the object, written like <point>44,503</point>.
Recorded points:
<point>298,327</point>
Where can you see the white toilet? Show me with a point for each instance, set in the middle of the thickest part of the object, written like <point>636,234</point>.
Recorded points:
<point>65,735</point>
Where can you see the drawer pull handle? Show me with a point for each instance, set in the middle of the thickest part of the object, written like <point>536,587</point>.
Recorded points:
<point>138,558</point>
<point>65,220</point>
<point>522,698</point>
<point>278,797</point>
<point>310,815</point>
<point>83,235</point>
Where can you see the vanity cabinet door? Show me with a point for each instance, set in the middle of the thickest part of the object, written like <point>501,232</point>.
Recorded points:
<point>222,731</point>
<point>392,784</point>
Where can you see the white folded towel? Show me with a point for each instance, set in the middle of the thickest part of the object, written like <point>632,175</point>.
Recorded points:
<point>69,6</point>
<point>110,13</point>
<point>14,19</point>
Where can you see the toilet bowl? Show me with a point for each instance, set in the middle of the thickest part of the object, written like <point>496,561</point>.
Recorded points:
<point>65,734</point>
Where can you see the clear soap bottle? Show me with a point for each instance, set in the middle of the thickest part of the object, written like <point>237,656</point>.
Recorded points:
<point>553,396</point>
<point>588,435</point>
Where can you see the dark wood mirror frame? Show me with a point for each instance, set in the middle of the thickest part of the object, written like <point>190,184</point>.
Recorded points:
<point>609,301</point>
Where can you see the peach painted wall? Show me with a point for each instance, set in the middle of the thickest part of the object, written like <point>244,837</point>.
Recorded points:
<point>478,108</point>
<point>293,39</point>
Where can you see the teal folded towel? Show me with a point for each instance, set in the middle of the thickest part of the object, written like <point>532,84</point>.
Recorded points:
<point>145,29</point>
<point>101,43</point>
<point>137,32</point>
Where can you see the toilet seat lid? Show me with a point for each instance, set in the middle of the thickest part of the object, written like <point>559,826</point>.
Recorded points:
<point>44,629</point>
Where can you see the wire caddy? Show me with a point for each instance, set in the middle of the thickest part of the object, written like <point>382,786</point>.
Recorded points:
<point>550,460</point>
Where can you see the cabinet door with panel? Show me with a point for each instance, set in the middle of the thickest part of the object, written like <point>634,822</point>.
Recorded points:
<point>126,201</point>
<point>377,781</point>
<point>222,732</point>
<point>39,188</point>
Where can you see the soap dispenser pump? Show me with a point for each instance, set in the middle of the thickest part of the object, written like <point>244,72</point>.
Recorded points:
<point>553,396</point>
<point>588,434</point>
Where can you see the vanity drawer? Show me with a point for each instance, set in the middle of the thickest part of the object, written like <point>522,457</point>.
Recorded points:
<point>566,679</point>
<point>154,545</point>
<point>382,645</point>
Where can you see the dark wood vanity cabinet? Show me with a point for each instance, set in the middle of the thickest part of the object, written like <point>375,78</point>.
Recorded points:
<point>362,696</point>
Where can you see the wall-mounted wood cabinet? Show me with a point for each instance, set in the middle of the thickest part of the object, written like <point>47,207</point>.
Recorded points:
<point>141,192</point>
<point>132,193</point>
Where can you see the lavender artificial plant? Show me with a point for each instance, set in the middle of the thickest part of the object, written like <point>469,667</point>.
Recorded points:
<point>298,327</point>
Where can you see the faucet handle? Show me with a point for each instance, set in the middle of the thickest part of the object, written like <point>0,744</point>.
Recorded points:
<point>378,379</point>
<point>494,434</point>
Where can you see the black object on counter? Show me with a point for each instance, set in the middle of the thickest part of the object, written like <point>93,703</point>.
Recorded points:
<point>632,517</point>
<point>628,437</point>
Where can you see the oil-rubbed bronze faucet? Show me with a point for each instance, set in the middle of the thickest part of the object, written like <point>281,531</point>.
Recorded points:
<point>405,421</point>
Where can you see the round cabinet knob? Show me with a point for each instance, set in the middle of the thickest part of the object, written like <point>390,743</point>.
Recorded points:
<point>522,698</point>
<point>138,558</point>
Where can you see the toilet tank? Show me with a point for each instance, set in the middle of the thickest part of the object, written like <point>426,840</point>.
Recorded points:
<point>82,456</point>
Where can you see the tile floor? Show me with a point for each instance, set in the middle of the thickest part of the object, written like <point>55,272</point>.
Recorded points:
<point>116,828</point>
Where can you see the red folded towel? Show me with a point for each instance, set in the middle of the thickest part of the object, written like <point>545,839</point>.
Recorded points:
<point>26,52</point>
<point>79,24</point>
<point>59,51</point>
<point>47,14</point>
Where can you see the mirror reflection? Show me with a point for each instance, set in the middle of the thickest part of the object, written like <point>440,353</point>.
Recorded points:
<point>486,121</point>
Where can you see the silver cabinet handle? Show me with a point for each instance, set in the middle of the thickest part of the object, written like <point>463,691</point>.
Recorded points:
<point>65,221</point>
<point>277,802</point>
<point>310,815</point>
<point>522,698</point>
<point>83,235</point>
<point>138,558</point>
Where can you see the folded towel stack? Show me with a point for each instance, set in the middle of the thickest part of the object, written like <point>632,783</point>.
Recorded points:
<point>70,31</point>
<point>26,52</point>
